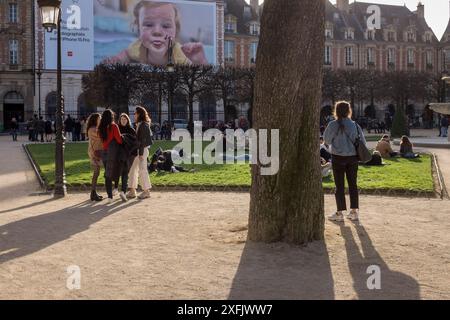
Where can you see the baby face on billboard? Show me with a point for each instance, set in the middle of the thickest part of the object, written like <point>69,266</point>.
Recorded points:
<point>156,25</point>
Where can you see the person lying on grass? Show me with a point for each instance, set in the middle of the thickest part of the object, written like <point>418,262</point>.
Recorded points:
<point>162,161</point>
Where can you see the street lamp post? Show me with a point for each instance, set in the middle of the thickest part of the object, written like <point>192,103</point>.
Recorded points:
<point>51,19</point>
<point>170,69</point>
<point>39,74</point>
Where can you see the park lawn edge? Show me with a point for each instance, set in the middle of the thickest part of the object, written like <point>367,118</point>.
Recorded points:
<point>246,188</point>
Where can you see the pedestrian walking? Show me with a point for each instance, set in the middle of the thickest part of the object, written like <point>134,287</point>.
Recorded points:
<point>444,126</point>
<point>76,130</point>
<point>48,131</point>
<point>341,135</point>
<point>68,127</point>
<point>40,128</point>
<point>14,128</point>
<point>139,169</point>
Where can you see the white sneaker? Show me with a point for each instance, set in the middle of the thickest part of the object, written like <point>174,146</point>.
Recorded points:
<point>123,196</point>
<point>353,215</point>
<point>338,217</point>
<point>115,192</point>
<point>109,200</point>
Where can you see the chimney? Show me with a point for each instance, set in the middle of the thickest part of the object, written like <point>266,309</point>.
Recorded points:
<point>343,5</point>
<point>255,5</point>
<point>421,10</point>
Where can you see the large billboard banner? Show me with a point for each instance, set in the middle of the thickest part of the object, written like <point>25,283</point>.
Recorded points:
<point>77,33</point>
<point>134,31</point>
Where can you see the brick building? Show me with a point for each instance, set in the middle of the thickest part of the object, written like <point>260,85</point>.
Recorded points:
<point>404,42</point>
<point>16,61</point>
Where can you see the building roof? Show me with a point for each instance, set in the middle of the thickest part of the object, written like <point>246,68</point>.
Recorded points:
<point>400,17</point>
<point>243,12</point>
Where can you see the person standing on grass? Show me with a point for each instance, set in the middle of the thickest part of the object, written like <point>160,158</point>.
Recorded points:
<point>341,135</point>
<point>109,134</point>
<point>95,150</point>
<point>139,169</point>
<point>127,132</point>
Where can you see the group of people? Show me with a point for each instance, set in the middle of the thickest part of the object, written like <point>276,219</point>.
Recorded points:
<point>122,150</point>
<point>75,129</point>
<point>385,150</point>
<point>39,129</point>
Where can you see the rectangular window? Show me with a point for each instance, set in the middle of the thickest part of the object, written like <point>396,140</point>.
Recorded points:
<point>370,56</point>
<point>253,51</point>
<point>254,29</point>
<point>13,52</point>
<point>349,56</point>
<point>370,35</point>
<point>429,58</point>
<point>13,13</point>
<point>328,55</point>
<point>229,51</point>
<point>410,56</point>
<point>391,56</point>
<point>328,33</point>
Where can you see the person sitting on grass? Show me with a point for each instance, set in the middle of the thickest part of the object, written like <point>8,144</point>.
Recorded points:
<point>324,151</point>
<point>326,167</point>
<point>406,149</point>
<point>162,161</point>
<point>384,147</point>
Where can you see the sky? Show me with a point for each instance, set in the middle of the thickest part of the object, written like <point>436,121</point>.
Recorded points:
<point>436,11</point>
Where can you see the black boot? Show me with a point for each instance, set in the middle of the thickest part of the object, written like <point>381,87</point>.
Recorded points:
<point>95,196</point>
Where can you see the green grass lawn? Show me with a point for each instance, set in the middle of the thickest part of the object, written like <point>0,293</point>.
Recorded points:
<point>398,174</point>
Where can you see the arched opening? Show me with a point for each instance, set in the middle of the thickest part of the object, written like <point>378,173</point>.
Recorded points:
<point>207,108</point>
<point>13,107</point>
<point>180,107</point>
<point>150,103</point>
<point>50,105</point>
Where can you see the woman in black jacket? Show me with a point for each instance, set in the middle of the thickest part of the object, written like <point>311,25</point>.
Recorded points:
<point>125,129</point>
<point>139,169</point>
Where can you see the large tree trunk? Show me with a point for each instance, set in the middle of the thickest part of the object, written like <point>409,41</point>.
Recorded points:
<point>289,206</point>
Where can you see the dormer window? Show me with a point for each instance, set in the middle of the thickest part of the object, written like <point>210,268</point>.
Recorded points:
<point>410,36</point>
<point>370,34</point>
<point>428,37</point>
<point>349,34</point>
<point>328,31</point>
<point>391,36</point>
<point>230,24</point>
<point>254,28</point>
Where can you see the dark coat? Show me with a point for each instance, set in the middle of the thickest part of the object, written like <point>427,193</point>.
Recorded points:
<point>120,156</point>
<point>144,137</point>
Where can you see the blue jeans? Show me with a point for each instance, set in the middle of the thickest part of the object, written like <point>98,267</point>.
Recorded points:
<point>444,131</point>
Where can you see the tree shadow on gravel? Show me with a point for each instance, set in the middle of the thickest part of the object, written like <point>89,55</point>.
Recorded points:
<point>280,271</point>
<point>23,237</point>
